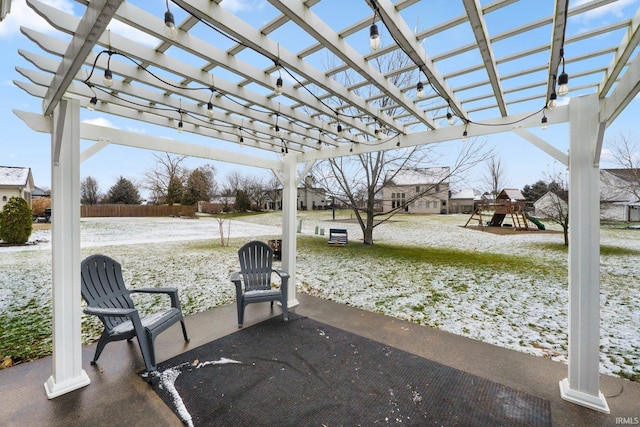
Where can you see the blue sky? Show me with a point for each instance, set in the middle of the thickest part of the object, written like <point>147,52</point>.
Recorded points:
<point>19,146</point>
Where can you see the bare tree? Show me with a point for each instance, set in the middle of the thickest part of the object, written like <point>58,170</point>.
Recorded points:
<point>358,181</point>
<point>625,179</point>
<point>89,191</point>
<point>166,179</point>
<point>258,191</point>
<point>495,175</point>
<point>554,205</point>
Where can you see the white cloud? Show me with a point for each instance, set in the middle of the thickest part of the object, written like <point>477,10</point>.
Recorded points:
<point>615,8</point>
<point>136,129</point>
<point>100,121</point>
<point>132,33</point>
<point>242,5</point>
<point>23,15</point>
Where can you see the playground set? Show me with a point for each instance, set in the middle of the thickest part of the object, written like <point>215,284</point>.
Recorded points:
<point>507,206</point>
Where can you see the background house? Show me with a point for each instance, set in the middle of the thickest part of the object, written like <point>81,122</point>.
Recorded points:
<point>549,205</point>
<point>619,190</point>
<point>425,190</point>
<point>462,201</point>
<point>308,196</point>
<point>15,182</point>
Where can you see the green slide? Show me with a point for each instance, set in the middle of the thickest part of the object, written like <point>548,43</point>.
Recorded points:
<point>537,222</point>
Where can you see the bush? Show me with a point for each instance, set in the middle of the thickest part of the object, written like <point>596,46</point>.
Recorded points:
<point>16,221</point>
<point>39,205</point>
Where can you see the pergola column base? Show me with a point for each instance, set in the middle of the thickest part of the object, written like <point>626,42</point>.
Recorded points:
<point>599,403</point>
<point>55,389</point>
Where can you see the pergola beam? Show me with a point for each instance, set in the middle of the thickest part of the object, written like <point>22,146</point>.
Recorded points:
<point>623,53</point>
<point>479,27</point>
<point>305,18</point>
<point>228,22</point>
<point>95,20</point>
<point>410,45</point>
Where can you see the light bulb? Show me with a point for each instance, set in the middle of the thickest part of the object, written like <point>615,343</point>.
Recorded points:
<point>553,101</point>
<point>92,104</point>
<point>378,134</point>
<point>108,78</point>
<point>543,123</point>
<point>278,88</point>
<point>450,118</point>
<point>210,109</point>
<point>464,136</point>
<point>374,37</point>
<point>339,128</point>
<point>180,126</point>
<point>170,29</point>
<point>420,89</point>
<point>563,84</point>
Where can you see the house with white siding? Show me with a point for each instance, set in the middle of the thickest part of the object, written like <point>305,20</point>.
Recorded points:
<point>619,191</point>
<point>15,182</point>
<point>424,190</point>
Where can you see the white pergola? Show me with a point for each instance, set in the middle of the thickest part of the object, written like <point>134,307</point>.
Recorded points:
<point>215,76</point>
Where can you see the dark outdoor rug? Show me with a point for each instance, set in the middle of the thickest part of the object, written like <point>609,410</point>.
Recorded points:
<point>305,373</point>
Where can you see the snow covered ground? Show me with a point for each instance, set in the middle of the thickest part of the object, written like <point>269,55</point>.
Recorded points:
<point>521,310</point>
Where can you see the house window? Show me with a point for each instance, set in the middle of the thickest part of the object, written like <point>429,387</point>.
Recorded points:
<point>437,188</point>
<point>397,200</point>
<point>4,198</point>
<point>417,188</point>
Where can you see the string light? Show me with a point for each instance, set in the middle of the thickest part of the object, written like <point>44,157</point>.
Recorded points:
<point>450,118</point>
<point>180,124</point>
<point>278,88</point>
<point>563,78</point>
<point>543,123</point>
<point>464,136</point>
<point>210,109</point>
<point>420,89</point>
<point>170,29</point>
<point>92,103</point>
<point>374,37</point>
<point>108,76</point>
<point>553,100</point>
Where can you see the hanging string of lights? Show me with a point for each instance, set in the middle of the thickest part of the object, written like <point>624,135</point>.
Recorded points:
<point>171,32</point>
<point>563,79</point>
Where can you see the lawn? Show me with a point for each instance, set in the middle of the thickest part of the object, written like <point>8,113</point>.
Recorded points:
<point>508,290</point>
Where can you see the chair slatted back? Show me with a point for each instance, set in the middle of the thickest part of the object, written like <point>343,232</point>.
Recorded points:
<point>256,259</point>
<point>103,286</point>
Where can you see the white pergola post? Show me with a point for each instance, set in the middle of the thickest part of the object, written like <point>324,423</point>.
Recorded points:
<point>583,383</point>
<point>289,209</point>
<point>68,374</point>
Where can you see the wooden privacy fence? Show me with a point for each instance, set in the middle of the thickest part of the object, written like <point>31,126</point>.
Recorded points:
<point>136,210</point>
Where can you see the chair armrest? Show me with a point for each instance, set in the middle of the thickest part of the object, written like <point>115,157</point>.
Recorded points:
<point>110,312</point>
<point>283,274</point>
<point>236,278</point>
<point>155,290</point>
<point>172,292</point>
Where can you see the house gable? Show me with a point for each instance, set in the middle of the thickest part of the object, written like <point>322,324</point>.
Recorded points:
<point>15,182</point>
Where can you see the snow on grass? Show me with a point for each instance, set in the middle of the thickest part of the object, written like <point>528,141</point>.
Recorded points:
<point>521,304</point>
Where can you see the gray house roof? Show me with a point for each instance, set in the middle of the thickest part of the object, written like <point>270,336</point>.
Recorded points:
<point>14,176</point>
<point>419,176</point>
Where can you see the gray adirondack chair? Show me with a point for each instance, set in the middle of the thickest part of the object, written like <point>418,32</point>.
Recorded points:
<point>253,281</point>
<point>107,297</point>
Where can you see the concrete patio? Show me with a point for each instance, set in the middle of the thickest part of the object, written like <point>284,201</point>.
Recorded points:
<point>118,396</point>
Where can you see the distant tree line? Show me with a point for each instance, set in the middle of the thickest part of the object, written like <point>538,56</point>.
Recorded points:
<point>169,182</point>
